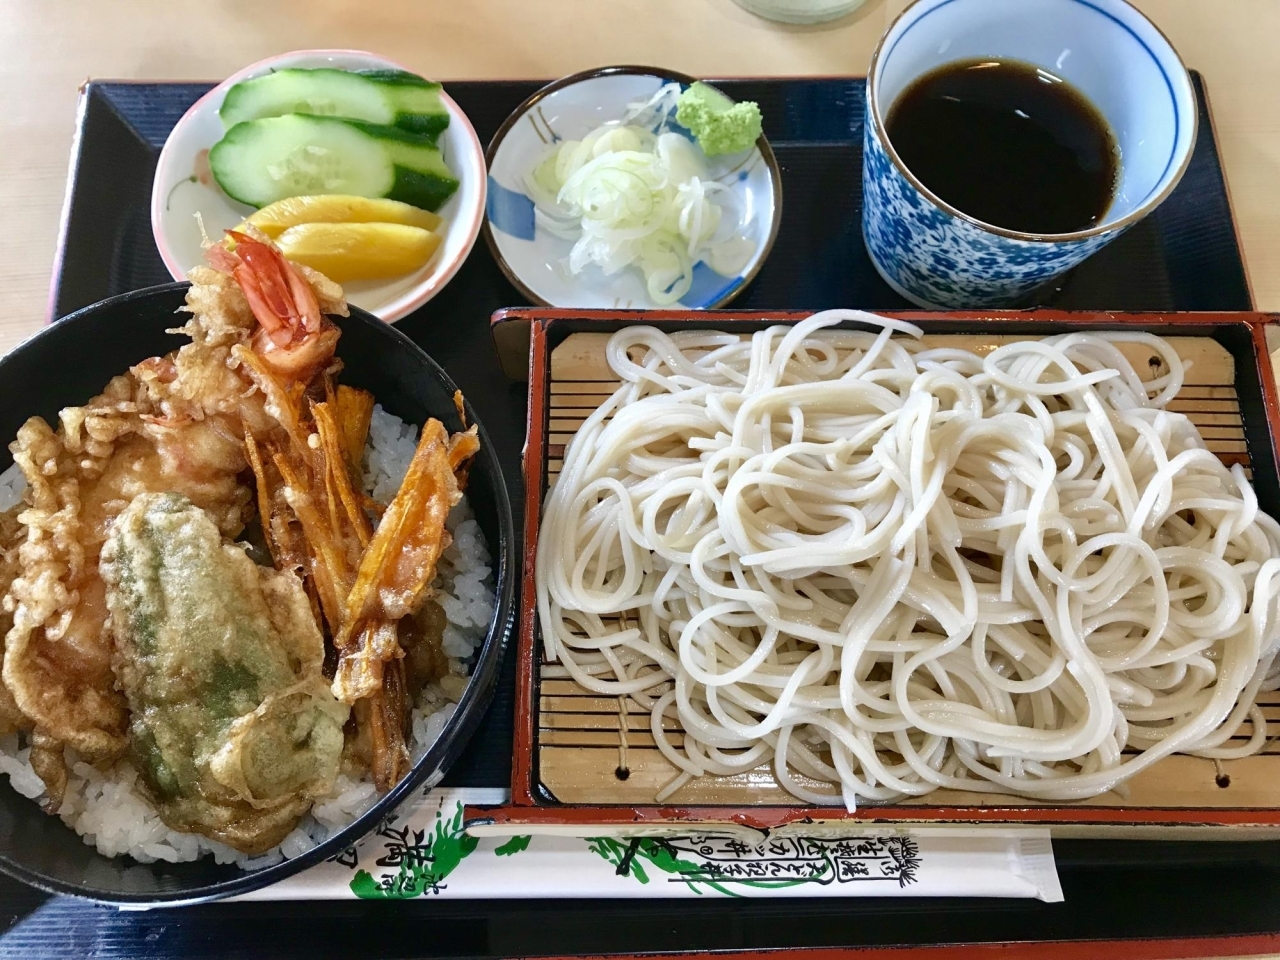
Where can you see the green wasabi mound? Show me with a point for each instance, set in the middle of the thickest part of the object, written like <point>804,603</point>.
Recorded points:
<point>719,124</point>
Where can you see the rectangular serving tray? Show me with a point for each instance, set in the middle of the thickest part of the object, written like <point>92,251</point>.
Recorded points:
<point>1192,262</point>
<point>1185,257</point>
<point>569,744</point>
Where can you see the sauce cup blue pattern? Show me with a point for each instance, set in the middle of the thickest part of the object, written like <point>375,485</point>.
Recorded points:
<point>937,256</point>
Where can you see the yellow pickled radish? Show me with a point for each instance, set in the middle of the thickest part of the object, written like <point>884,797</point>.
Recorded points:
<point>274,219</point>
<point>359,251</point>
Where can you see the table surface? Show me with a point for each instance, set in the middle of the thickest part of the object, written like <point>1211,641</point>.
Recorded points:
<point>49,47</point>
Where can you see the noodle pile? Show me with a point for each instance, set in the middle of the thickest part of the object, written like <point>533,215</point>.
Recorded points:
<point>890,568</point>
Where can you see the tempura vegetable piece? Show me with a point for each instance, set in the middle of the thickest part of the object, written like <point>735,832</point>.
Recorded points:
<point>233,727</point>
<point>46,752</point>
<point>282,401</point>
<point>172,423</point>
<point>47,760</point>
<point>400,562</point>
<point>462,449</point>
<point>385,711</point>
<point>355,413</point>
<point>338,471</point>
<point>395,574</point>
<point>57,662</point>
<point>57,655</point>
<point>313,511</point>
<point>421,637</point>
<point>280,529</point>
<point>313,516</point>
<point>11,536</point>
<point>328,564</point>
<point>265,495</point>
<point>316,488</point>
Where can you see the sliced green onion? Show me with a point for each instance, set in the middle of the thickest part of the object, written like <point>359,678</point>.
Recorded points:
<point>632,197</point>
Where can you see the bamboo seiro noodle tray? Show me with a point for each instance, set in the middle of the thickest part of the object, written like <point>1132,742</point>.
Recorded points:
<point>584,761</point>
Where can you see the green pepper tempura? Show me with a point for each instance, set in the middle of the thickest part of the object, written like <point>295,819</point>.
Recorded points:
<point>719,124</point>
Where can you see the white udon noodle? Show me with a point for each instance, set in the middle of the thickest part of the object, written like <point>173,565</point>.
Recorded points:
<point>891,568</point>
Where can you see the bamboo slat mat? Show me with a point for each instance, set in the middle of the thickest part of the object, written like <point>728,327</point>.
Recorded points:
<point>599,750</point>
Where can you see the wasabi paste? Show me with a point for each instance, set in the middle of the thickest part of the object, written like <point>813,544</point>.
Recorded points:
<point>719,124</point>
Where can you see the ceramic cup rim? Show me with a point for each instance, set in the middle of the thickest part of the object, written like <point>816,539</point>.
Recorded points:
<point>1120,223</point>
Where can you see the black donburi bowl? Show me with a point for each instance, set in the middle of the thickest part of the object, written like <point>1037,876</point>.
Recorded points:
<point>71,361</point>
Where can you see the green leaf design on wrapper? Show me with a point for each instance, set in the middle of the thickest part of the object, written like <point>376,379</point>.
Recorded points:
<point>626,856</point>
<point>423,860</point>
<point>513,846</point>
<point>730,866</point>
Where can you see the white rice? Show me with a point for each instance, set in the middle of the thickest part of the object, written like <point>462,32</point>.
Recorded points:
<point>110,811</point>
<point>12,486</point>
<point>391,445</point>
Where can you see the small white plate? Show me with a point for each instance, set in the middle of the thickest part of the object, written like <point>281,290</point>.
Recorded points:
<point>534,260</point>
<point>183,187</point>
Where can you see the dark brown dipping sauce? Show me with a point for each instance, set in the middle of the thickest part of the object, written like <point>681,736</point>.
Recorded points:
<point>1008,144</point>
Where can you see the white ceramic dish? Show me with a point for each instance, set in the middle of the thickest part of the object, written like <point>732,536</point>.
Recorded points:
<point>533,259</point>
<point>184,187</point>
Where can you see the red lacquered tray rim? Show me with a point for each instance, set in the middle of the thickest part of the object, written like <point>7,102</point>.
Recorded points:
<point>529,807</point>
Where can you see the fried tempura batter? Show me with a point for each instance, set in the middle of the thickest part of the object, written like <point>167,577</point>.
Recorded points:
<point>234,729</point>
<point>133,624</point>
<point>57,662</point>
<point>171,424</point>
<point>12,534</point>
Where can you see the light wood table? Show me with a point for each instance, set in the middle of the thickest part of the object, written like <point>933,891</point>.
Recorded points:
<point>49,47</point>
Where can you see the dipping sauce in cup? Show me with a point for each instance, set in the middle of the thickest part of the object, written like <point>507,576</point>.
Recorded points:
<point>1007,140</point>
<point>1026,150</point>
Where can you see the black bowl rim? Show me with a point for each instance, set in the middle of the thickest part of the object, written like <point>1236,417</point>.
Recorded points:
<point>460,727</point>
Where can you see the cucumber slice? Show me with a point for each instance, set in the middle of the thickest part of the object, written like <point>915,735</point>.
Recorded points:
<point>391,97</point>
<point>261,161</point>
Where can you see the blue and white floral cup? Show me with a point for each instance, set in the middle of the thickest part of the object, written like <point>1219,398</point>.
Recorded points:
<point>938,257</point>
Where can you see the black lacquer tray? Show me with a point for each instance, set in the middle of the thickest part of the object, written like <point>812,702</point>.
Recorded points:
<point>1185,257</point>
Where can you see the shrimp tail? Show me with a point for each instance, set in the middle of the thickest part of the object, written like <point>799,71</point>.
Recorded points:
<point>295,338</point>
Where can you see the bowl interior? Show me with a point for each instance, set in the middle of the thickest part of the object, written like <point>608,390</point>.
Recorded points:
<point>1104,48</point>
<point>183,188</point>
<point>86,349</point>
<point>534,258</point>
